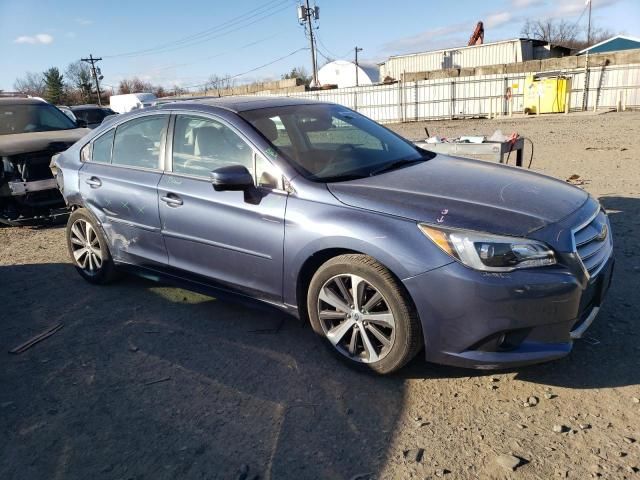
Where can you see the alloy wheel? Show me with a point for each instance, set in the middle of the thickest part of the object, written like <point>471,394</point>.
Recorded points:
<point>85,246</point>
<point>356,318</point>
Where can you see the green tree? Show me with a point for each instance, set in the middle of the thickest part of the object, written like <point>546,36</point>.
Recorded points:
<point>299,73</point>
<point>54,86</point>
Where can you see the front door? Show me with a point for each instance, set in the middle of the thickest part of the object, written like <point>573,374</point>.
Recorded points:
<point>119,182</point>
<point>223,235</point>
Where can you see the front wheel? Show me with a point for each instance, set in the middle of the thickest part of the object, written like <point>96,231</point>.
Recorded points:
<point>88,248</point>
<point>364,313</point>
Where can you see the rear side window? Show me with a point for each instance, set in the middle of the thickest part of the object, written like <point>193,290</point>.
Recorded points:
<point>138,143</point>
<point>102,148</point>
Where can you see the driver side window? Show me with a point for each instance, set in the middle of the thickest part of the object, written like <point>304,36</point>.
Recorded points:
<point>201,145</point>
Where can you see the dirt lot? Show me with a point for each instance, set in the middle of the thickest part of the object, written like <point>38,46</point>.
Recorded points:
<point>151,382</point>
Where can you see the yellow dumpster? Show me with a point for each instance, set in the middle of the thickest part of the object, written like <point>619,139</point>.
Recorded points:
<point>547,94</point>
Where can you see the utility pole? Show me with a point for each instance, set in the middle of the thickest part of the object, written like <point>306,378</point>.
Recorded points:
<point>357,49</point>
<point>95,72</point>
<point>589,26</point>
<point>585,90</point>
<point>305,15</point>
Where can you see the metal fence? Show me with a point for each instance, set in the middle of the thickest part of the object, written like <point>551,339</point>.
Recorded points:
<point>481,96</point>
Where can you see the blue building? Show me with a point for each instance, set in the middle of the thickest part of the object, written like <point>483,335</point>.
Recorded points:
<point>613,44</point>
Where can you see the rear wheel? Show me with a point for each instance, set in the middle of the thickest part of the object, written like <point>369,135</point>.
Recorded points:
<point>364,313</point>
<point>88,248</point>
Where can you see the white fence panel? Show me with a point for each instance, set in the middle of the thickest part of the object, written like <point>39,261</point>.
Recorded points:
<point>479,96</point>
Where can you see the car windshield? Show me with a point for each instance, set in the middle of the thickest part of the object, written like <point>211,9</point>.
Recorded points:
<point>28,118</point>
<point>330,143</point>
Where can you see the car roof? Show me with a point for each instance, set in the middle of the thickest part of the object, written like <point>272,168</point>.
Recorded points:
<point>237,104</point>
<point>21,101</point>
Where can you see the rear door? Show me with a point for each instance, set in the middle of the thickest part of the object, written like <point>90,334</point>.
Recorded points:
<point>223,235</point>
<point>118,183</point>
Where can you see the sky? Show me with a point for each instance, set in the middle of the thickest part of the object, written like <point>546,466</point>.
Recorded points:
<point>183,43</point>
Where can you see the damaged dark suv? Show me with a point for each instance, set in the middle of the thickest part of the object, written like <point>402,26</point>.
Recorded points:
<point>31,132</point>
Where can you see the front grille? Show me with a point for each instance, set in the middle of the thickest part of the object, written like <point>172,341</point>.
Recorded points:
<point>593,243</point>
<point>34,165</point>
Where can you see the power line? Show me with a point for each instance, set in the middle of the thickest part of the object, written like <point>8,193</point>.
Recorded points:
<point>231,77</point>
<point>226,52</point>
<point>584,10</point>
<point>200,35</point>
<point>326,50</point>
<point>239,23</point>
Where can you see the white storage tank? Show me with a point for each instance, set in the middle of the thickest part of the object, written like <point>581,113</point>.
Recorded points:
<point>343,74</point>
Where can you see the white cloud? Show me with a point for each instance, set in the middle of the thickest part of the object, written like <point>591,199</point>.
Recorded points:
<point>497,19</point>
<point>575,7</point>
<point>424,39</point>
<point>40,38</point>
<point>84,21</point>
<point>526,3</point>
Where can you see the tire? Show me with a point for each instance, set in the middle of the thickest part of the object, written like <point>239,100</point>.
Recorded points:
<point>382,311</point>
<point>95,265</point>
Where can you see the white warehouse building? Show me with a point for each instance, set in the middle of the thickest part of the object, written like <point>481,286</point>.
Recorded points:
<point>496,53</point>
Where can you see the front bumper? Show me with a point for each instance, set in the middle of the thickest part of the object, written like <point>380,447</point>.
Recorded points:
<point>489,320</point>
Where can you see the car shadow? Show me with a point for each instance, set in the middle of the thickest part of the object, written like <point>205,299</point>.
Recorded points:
<point>146,380</point>
<point>150,381</point>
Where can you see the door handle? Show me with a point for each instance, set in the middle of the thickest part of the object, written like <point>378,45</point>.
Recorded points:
<point>171,200</point>
<point>93,182</point>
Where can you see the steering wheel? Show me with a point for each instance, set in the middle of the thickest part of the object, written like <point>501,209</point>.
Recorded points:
<point>342,149</point>
<point>345,147</point>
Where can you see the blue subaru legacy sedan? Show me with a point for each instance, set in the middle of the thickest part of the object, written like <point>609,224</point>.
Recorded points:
<point>385,248</point>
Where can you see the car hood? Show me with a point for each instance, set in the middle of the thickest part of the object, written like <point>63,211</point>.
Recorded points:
<point>463,193</point>
<point>18,143</point>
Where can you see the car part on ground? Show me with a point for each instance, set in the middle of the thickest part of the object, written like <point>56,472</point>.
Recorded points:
<point>319,211</point>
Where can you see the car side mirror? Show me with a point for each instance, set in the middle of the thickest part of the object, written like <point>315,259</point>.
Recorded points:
<point>81,123</point>
<point>233,177</point>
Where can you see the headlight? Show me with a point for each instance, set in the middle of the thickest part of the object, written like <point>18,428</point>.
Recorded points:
<point>490,253</point>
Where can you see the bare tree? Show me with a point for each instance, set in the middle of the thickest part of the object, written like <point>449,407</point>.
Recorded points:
<point>79,87</point>
<point>562,32</point>
<point>134,85</point>
<point>559,32</point>
<point>159,91</point>
<point>177,90</point>
<point>31,84</point>
<point>218,83</point>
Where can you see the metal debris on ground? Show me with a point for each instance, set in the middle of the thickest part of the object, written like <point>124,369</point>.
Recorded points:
<point>576,180</point>
<point>38,338</point>
<point>413,455</point>
<point>160,380</point>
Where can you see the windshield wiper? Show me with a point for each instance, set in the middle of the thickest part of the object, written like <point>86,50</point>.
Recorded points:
<point>397,164</point>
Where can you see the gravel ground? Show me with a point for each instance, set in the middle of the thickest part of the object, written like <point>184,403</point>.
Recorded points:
<point>146,381</point>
